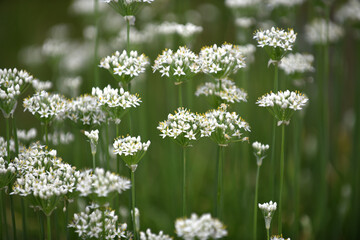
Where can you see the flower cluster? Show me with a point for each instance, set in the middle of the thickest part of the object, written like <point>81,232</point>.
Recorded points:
<point>203,227</point>
<point>85,111</point>
<point>94,138</point>
<point>26,136</point>
<point>277,237</point>
<point>179,66</point>
<point>12,83</point>
<point>183,127</point>
<point>259,151</point>
<point>126,7</point>
<point>224,127</point>
<point>297,63</point>
<point>60,137</point>
<point>319,32</point>
<point>41,85</point>
<point>285,3</point>
<point>275,41</point>
<point>46,106</point>
<point>350,11</point>
<point>101,186</point>
<point>115,102</point>
<point>248,51</point>
<point>222,91</point>
<point>123,66</point>
<point>131,150</point>
<point>152,236</point>
<point>268,210</point>
<point>283,104</point>
<point>99,223</point>
<point>44,178</point>
<point>184,30</point>
<point>7,172</point>
<point>241,3</point>
<point>222,61</point>
<point>3,147</point>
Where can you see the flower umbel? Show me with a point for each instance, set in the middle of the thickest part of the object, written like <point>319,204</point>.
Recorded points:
<point>152,236</point>
<point>93,137</point>
<point>259,151</point>
<point>268,210</point>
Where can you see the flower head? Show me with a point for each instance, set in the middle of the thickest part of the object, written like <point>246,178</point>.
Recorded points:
<point>277,237</point>
<point>13,82</point>
<point>93,137</point>
<point>241,3</point>
<point>126,7</point>
<point>268,210</point>
<point>152,236</point>
<point>319,32</point>
<point>186,31</point>
<point>7,172</point>
<point>282,105</point>
<point>85,111</point>
<point>350,11</point>
<point>203,227</point>
<point>294,64</point>
<point>183,127</point>
<point>26,136</point>
<point>101,186</point>
<point>220,62</point>
<point>275,41</point>
<point>259,151</point>
<point>115,102</point>
<point>224,127</point>
<point>179,66</point>
<point>46,106</point>
<point>226,92</point>
<point>284,3</point>
<point>123,66</point>
<point>131,150</point>
<point>99,223</point>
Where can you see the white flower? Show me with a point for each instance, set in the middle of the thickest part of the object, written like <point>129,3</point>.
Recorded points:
<point>203,227</point>
<point>283,104</point>
<point>229,92</point>
<point>60,137</point>
<point>278,238</point>
<point>297,63</point>
<point>241,3</point>
<point>244,22</point>
<point>93,137</point>
<point>179,66</point>
<point>268,210</point>
<point>285,3</point>
<point>40,85</point>
<point>259,151</point>
<point>350,11</point>
<point>7,172</point>
<point>125,67</point>
<point>152,236</point>
<point>222,61</point>
<point>12,83</point>
<point>318,32</point>
<point>26,135</point>
<point>184,30</point>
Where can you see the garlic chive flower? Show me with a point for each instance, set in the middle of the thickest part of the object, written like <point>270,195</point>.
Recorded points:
<point>127,7</point>
<point>41,85</point>
<point>85,111</point>
<point>297,64</point>
<point>7,172</point>
<point>319,32</point>
<point>350,11</point>
<point>26,136</point>
<point>43,178</point>
<point>226,92</point>
<point>152,236</point>
<point>284,3</point>
<point>98,222</point>
<point>241,3</point>
<point>259,151</point>
<point>220,62</point>
<point>115,102</point>
<point>13,82</point>
<point>282,105</point>
<point>185,31</point>
<point>124,67</point>
<point>101,186</point>
<point>179,66</point>
<point>203,227</point>
<point>46,106</point>
<point>277,237</point>
<point>268,210</point>
<point>224,127</point>
<point>131,150</point>
<point>94,138</point>
<point>275,41</point>
<point>183,127</point>
<point>3,147</point>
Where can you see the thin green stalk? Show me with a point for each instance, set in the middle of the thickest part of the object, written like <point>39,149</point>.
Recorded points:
<point>48,222</point>
<point>3,207</point>
<point>41,223</point>
<point>13,215</point>
<point>297,166</point>
<point>93,160</point>
<point>184,206</point>
<point>256,202</point>
<point>128,36</point>
<point>281,175</point>
<point>96,46</point>
<point>180,95</point>
<point>7,121</point>
<point>133,204</point>
<point>129,114</point>
<point>268,234</point>
<point>46,134</point>
<point>219,198</point>
<point>67,220</point>
<point>117,200</point>
<point>107,145</point>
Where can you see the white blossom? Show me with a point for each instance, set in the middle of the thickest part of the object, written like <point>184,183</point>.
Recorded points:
<point>319,32</point>
<point>152,236</point>
<point>268,210</point>
<point>259,151</point>
<point>297,63</point>
<point>350,11</point>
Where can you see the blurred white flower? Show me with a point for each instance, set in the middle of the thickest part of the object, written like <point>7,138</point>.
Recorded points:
<point>152,236</point>
<point>268,210</point>
<point>318,32</point>
<point>350,11</point>
<point>297,63</point>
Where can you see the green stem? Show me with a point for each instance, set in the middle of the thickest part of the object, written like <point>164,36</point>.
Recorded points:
<point>46,134</point>
<point>107,145</point>
<point>129,114</point>
<point>276,77</point>
<point>297,166</point>
<point>41,222</point>
<point>128,36</point>
<point>13,214</point>
<point>3,207</point>
<point>96,47</point>
<point>268,234</point>
<point>48,227</point>
<point>8,138</point>
<point>256,202</point>
<point>219,199</point>
<point>117,200</point>
<point>180,95</point>
<point>281,176</point>
<point>93,159</point>
<point>184,206</point>
<point>67,220</point>
<point>133,204</point>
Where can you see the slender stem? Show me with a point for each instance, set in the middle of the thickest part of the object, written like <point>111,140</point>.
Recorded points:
<point>180,95</point>
<point>41,222</point>
<point>3,207</point>
<point>268,234</point>
<point>281,176</point>
<point>96,46</point>
<point>107,145</point>
<point>128,36</point>
<point>297,166</point>
<point>276,77</point>
<point>184,206</point>
<point>48,222</point>
<point>117,200</point>
<point>129,114</point>
<point>256,202</point>
<point>133,204</point>
<point>93,158</point>
<point>46,134</point>
<point>67,220</point>
<point>219,198</point>
<point>13,214</point>
<point>8,139</point>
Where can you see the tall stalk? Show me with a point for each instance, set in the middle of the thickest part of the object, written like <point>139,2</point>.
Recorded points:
<point>96,45</point>
<point>133,204</point>
<point>41,223</point>
<point>256,202</point>
<point>184,206</point>
<point>180,95</point>
<point>107,145</point>
<point>297,121</point>
<point>4,215</point>
<point>48,222</point>
<point>281,175</point>
<point>219,185</point>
